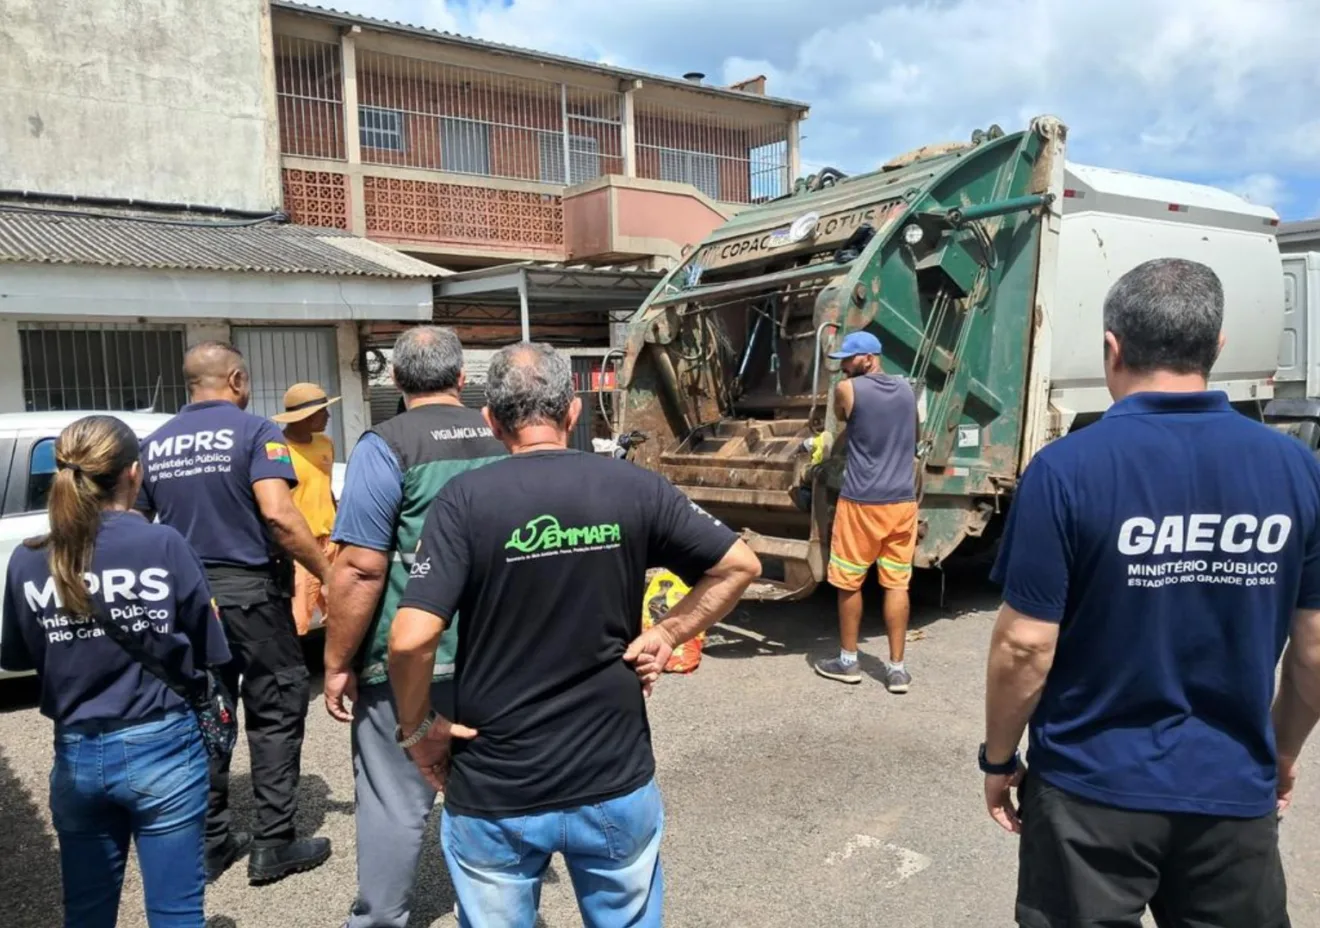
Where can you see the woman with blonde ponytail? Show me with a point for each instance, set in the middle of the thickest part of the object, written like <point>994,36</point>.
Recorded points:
<point>130,764</point>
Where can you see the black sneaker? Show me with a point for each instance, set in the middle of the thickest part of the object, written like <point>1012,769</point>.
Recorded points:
<point>268,864</point>
<point>235,846</point>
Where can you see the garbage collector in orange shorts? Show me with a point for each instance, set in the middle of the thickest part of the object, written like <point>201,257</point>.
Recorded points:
<point>875,521</point>
<point>305,418</point>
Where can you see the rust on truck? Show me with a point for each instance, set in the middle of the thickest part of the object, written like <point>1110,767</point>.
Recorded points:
<point>726,373</point>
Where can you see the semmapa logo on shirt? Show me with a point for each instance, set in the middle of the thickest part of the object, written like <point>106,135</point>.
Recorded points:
<point>544,535</point>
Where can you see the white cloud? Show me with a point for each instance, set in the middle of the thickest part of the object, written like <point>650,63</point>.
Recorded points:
<point>1193,88</point>
<point>1262,189</point>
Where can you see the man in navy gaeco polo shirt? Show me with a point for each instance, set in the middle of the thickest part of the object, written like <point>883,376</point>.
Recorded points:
<point>1154,566</point>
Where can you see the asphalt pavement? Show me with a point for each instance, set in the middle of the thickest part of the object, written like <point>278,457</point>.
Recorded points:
<point>791,800</point>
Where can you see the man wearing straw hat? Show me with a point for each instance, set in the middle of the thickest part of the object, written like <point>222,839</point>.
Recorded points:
<point>305,417</point>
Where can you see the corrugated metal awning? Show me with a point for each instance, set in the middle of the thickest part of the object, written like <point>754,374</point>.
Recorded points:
<point>48,235</point>
<point>550,288</point>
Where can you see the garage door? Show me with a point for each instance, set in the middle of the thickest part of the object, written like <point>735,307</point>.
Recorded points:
<point>280,357</point>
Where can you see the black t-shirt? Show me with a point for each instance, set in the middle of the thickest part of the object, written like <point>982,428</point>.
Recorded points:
<point>197,475</point>
<point>545,556</point>
<point>149,581</point>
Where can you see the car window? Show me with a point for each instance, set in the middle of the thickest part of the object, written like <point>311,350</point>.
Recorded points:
<point>41,474</point>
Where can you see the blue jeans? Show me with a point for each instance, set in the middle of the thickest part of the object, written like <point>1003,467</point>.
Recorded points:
<point>146,781</point>
<point>611,848</point>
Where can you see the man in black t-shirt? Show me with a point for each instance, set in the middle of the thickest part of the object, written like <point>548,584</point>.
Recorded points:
<point>545,555</point>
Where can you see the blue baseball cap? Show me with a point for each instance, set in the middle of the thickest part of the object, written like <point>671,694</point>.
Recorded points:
<point>856,343</point>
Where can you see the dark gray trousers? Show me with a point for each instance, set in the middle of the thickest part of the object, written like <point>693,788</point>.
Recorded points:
<point>393,804</point>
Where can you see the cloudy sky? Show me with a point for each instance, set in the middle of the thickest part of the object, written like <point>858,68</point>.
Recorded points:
<point>1225,92</point>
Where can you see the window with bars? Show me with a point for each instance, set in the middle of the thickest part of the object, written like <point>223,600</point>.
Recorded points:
<point>483,122</point>
<point>380,128</point>
<point>465,146</point>
<point>125,368</point>
<point>310,94</point>
<point>583,158</point>
<point>768,165</point>
<point>691,167</point>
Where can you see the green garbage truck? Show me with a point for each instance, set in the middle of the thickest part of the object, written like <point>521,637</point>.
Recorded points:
<point>982,268</point>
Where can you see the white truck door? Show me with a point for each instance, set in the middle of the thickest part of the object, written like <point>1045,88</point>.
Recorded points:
<point>1294,354</point>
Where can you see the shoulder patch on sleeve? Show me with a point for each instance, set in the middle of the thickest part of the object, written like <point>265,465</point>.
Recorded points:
<point>278,451</point>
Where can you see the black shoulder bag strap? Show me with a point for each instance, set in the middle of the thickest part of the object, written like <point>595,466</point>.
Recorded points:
<point>207,698</point>
<point>191,695</point>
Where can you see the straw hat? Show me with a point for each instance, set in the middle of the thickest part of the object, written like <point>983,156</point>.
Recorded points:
<point>302,400</point>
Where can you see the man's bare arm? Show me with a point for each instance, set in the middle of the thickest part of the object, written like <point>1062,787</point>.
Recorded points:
<point>414,636</point>
<point>714,595</point>
<point>1297,706</point>
<point>843,400</point>
<point>288,527</point>
<point>1021,654</point>
<point>355,588</point>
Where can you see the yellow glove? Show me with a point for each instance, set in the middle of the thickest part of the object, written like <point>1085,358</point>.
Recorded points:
<point>819,446</point>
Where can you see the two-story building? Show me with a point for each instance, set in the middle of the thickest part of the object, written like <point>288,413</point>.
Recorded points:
<point>472,153</point>
<point>140,199</point>
<point>505,164</point>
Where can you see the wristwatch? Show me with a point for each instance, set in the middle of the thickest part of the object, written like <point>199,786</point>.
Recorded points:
<point>419,734</point>
<point>1006,769</point>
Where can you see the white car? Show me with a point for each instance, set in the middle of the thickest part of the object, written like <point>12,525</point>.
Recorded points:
<point>27,467</point>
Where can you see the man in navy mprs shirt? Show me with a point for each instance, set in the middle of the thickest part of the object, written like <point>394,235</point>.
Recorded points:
<point>221,477</point>
<point>1154,566</point>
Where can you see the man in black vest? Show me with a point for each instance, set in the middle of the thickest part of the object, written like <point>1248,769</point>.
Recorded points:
<point>394,473</point>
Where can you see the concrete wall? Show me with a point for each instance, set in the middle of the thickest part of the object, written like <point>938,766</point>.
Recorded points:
<point>632,216</point>
<point>170,100</point>
<point>11,367</point>
<point>355,407</point>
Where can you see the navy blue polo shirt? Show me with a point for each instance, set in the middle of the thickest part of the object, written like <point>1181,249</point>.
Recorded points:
<point>198,470</point>
<point>1172,540</point>
<point>145,578</point>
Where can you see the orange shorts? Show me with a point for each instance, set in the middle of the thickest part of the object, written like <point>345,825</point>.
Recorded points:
<point>308,594</point>
<point>884,534</point>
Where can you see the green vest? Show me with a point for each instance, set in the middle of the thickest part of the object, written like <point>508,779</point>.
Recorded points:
<point>432,444</point>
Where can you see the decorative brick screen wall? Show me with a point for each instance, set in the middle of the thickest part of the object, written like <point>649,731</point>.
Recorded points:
<point>413,210</point>
<point>316,198</point>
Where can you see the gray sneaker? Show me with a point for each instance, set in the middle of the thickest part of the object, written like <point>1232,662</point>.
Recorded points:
<point>897,681</point>
<point>836,669</point>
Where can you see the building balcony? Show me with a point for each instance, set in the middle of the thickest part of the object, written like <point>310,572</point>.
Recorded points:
<point>459,161</point>
<point>616,219</point>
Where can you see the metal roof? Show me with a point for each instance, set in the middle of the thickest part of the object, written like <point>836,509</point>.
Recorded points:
<point>452,38</point>
<point>42,235</point>
<point>552,287</point>
<point>1299,230</point>
<point>532,287</point>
